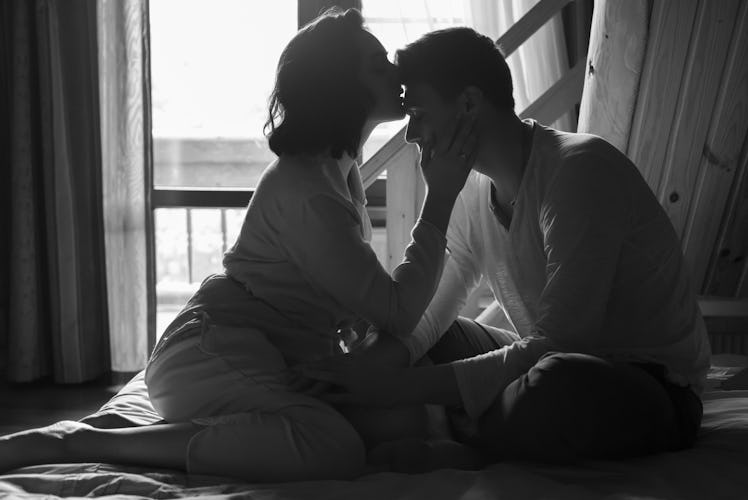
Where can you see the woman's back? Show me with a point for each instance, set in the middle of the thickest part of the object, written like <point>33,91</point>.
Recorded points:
<point>282,251</point>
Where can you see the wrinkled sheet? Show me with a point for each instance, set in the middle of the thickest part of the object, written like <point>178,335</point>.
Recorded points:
<point>717,467</point>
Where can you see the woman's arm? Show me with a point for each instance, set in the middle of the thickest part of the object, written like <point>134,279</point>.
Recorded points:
<point>472,383</point>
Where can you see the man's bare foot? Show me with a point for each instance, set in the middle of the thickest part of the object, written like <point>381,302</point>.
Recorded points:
<point>38,446</point>
<point>415,456</point>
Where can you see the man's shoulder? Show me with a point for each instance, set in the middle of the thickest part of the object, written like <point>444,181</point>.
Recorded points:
<point>575,146</point>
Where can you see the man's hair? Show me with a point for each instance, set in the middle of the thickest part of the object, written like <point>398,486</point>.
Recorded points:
<point>318,103</point>
<point>451,59</point>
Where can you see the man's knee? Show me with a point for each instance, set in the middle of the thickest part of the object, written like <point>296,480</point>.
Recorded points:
<point>466,338</point>
<point>573,405</point>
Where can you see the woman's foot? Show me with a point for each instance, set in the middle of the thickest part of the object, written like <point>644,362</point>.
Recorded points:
<point>415,456</point>
<point>37,446</point>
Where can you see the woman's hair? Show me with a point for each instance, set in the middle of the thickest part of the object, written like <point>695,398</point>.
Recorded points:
<point>451,59</point>
<point>319,104</point>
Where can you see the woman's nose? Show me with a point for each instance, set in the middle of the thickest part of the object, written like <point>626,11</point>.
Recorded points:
<point>412,132</point>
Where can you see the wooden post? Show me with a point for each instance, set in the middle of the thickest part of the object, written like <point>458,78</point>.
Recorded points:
<point>617,45</point>
<point>405,193</point>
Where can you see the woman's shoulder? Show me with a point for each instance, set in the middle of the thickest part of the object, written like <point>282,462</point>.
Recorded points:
<point>291,177</point>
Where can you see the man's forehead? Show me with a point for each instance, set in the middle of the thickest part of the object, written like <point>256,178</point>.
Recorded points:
<point>420,94</point>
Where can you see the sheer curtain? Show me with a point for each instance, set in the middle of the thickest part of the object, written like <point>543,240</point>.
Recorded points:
<point>538,63</point>
<point>126,152</point>
<point>57,320</point>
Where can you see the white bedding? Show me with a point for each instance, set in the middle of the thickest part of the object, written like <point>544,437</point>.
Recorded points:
<point>717,467</point>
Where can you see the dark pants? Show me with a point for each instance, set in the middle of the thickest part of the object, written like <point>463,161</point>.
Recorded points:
<point>572,406</point>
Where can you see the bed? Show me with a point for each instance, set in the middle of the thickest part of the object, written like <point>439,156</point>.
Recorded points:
<point>717,467</point>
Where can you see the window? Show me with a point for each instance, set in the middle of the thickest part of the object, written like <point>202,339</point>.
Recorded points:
<point>212,70</point>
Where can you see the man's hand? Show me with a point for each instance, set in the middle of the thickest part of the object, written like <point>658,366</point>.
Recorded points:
<point>360,382</point>
<point>446,166</point>
<point>297,382</point>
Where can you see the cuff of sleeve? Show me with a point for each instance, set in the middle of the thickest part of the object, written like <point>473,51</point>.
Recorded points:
<point>424,225</point>
<point>476,395</point>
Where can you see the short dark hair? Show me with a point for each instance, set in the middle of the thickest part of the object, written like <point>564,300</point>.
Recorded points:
<point>318,103</point>
<point>451,59</point>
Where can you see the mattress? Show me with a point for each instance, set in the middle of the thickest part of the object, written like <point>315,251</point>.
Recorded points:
<point>717,467</point>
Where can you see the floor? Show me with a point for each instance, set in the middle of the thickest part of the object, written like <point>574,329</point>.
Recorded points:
<point>24,406</point>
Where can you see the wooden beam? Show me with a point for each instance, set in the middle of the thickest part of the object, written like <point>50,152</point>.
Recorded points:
<point>723,307</point>
<point>618,42</point>
<point>720,159</point>
<point>531,22</point>
<point>558,99</point>
<point>405,189</point>
<point>375,165</point>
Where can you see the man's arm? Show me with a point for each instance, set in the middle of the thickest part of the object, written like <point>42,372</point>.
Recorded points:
<point>454,384</point>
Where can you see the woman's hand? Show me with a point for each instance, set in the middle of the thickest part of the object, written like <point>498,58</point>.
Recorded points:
<point>355,381</point>
<point>446,166</point>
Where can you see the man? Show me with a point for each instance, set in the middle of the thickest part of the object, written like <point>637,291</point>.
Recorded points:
<point>609,352</point>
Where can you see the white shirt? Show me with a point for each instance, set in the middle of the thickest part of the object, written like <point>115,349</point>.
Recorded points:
<point>590,263</point>
<point>304,256</point>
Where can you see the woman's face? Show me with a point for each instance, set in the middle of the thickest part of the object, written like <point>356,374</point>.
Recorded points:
<point>380,78</point>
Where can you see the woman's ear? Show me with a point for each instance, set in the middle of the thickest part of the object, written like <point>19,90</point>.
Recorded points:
<point>471,99</point>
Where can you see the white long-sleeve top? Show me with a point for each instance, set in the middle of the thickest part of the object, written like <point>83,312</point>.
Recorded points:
<point>304,255</point>
<point>590,263</point>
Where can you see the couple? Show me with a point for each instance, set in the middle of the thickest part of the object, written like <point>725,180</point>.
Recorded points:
<point>608,354</point>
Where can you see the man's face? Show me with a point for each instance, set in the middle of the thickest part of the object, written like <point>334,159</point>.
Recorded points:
<point>431,118</point>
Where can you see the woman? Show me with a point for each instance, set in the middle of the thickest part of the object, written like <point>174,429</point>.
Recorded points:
<point>301,271</point>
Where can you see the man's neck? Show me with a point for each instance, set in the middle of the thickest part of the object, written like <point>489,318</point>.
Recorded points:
<point>502,156</point>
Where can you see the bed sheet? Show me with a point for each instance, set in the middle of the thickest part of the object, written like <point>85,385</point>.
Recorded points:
<point>717,467</point>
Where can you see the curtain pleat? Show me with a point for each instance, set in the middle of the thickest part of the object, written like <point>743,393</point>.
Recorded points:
<point>58,308</point>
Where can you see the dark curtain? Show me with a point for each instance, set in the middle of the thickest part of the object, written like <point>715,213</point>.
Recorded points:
<point>53,248</point>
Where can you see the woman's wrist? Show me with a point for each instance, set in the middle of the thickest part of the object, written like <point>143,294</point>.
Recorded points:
<point>437,208</point>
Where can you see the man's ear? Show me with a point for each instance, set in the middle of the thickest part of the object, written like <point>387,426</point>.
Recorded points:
<point>471,99</point>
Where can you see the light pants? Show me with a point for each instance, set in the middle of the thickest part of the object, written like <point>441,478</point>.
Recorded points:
<point>232,382</point>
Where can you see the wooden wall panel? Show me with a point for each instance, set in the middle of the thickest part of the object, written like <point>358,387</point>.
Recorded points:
<point>614,63</point>
<point>701,82</point>
<point>728,275</point>
<point>720,158</point>
<point>669,31</point>
<point>689,135</point>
